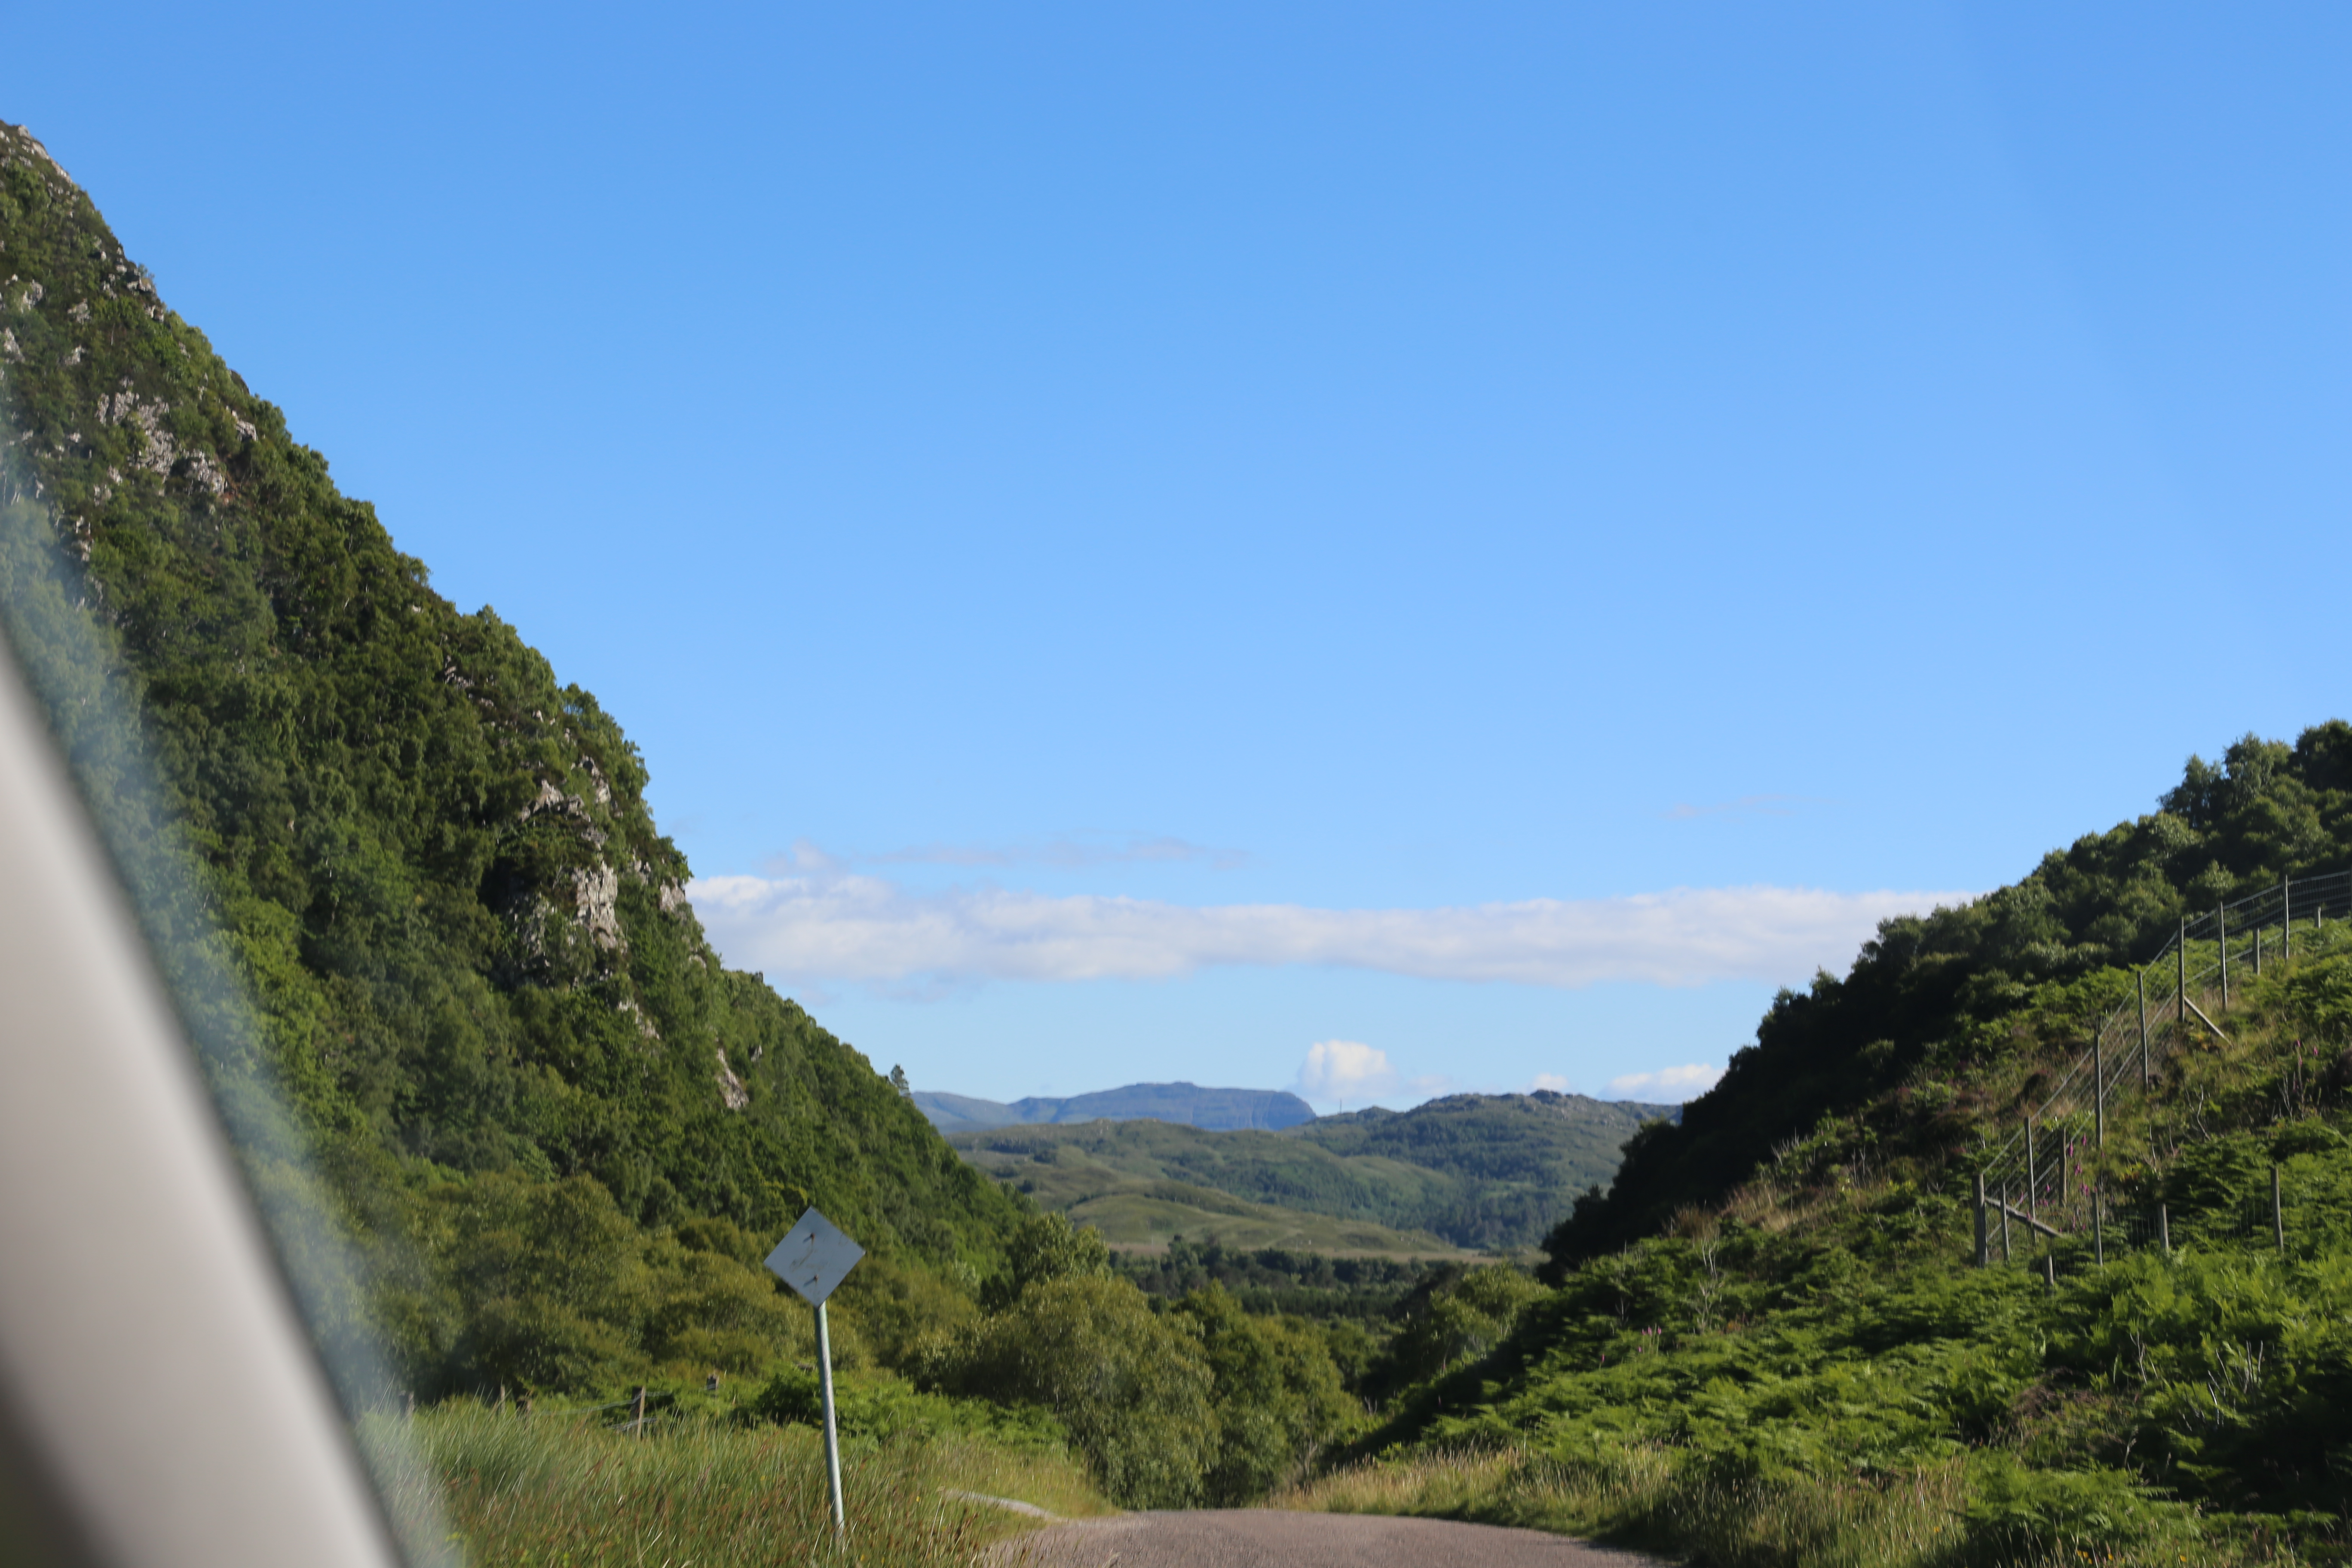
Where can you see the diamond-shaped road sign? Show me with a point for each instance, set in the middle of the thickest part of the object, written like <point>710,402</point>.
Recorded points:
<point>814,1257</point>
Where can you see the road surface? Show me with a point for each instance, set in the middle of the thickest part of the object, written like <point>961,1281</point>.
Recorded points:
<point>1277,1538</point>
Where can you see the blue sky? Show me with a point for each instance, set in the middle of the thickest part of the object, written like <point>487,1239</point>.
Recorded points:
<point>1138,542</point>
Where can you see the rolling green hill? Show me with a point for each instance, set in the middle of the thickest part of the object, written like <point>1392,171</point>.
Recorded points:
<point>560,1123</point>
<point>1476,1171</point>
<point>1145,1183</point>
<point>1515,1161</point>
<point>1133,1212</point>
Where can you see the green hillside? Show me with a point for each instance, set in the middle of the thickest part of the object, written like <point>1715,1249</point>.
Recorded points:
<point>1143,1184</point>
<point>1479,1171</point>
<point>1770,1342</point>
<point>1516,1160</point>
<point>1157,1214</point>
<point>1927,985</point>
<point>561,1123</point>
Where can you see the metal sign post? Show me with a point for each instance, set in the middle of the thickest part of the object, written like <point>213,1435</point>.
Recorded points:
<point>813,1258</point>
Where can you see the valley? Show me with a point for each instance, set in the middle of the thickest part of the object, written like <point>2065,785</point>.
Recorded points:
<point>524,1139</point>
<point>1466,1172</point>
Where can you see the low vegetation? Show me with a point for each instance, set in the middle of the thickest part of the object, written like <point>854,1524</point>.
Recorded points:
<point>1326,1287</point>
<point>584,1490</point>
<point>1642,1498</point>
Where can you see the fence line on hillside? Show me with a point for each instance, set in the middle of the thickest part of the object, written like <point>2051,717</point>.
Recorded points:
<point>2036,1180</point>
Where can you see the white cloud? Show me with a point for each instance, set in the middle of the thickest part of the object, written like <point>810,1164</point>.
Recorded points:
<point>1341,1070</point>
<point>818,922</point>
<point>1061,853</point>
<point>1552,1081</point>
<point>1667,1086</point>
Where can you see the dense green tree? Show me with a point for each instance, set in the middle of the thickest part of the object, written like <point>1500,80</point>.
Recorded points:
<point>1277,1397</point>
<point>1046,1246</point>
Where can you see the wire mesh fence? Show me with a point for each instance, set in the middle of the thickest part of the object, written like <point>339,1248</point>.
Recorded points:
<point>2042,1180</point>
<point>2119,1230</point>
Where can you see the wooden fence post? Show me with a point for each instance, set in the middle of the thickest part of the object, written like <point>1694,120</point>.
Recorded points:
<point>2286,919</point>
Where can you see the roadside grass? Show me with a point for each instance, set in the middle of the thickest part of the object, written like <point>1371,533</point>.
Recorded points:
<point>551,1489</point>
<point>1642,1500</point>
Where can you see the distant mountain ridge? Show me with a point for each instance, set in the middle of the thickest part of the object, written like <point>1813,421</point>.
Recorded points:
<point>1186,1104</point>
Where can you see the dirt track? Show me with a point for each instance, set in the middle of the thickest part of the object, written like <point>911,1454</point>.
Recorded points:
<point>1273,1537</point>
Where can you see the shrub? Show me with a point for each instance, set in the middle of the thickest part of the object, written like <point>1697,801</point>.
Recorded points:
<point>1277,1396</point>
<point>2095,1508</point>
<point>1132,1389</point>
<point>879,1408</point>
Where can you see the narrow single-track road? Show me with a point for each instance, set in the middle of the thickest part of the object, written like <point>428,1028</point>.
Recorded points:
<point>1277,1538</point>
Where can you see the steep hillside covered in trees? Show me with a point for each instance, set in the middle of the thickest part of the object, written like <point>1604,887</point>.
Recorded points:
<point>562,1121</point>
<point>1773,1343</point>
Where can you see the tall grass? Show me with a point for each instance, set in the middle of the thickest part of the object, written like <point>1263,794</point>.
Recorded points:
<point>554,1489</point>
<point>1641,1498</point>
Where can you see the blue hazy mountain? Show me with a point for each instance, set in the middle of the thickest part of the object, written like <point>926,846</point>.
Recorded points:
<point>1187,1104</point>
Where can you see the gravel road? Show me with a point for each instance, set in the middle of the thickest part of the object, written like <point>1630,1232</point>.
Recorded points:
<point>1276,1538</point>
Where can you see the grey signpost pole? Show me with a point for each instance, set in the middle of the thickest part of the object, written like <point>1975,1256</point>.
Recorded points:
<point>832,1426</point>
<point>813,1258</point>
